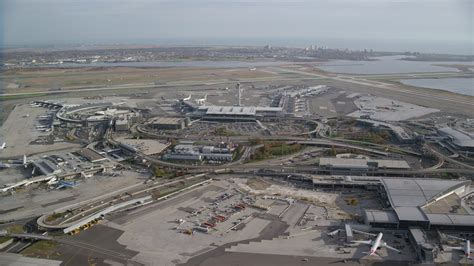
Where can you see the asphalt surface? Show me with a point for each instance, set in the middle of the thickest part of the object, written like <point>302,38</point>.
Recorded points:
<point>274,229</point>
<point>95,245</point>
<point>253,259</point>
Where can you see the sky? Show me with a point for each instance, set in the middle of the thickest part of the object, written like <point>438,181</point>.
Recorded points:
<point>383,24</point>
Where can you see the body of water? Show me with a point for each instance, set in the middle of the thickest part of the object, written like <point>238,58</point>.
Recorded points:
<point>386,65</point>
<point>458,85</point>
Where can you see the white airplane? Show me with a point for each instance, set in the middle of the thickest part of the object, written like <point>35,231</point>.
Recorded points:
<point>201,100</point>
<point>375,244</point>
<point>466,248</point>
<point>187,98</point>
<point>52,181</point>
<point>16,163</point>
<point>4,145</point>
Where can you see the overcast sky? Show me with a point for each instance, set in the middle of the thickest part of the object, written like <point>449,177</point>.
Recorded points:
<point>71,21</point>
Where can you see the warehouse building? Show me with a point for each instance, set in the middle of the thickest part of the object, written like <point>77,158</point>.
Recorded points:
<point>426,203</point>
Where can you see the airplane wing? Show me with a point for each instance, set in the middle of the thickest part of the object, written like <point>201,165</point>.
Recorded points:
<point>367,242</point>
<point>392,248</point>
<point>455,237</point>
<point>454,248</point>
<point>333,233</point>
<point>362,232</point>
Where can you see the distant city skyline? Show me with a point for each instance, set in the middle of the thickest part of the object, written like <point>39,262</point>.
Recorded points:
<point>432,26</point>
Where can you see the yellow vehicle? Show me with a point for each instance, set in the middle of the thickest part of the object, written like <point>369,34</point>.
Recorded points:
<point>75,231</point>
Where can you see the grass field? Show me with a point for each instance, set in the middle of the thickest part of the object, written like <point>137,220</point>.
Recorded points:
<point>42,249</point>
<point>28,80</point>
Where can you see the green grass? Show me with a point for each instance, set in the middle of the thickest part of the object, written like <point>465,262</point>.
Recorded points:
<point>55,216</point>
<point>42,249</point>
<point>15,229</point>
<point>222,131</point>
<point>22,96</point>
<point>4,239</point>
<point>274,149</point>
<point>237,153</point>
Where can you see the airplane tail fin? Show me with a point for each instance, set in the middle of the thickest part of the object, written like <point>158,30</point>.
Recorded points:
<point>372,254</point>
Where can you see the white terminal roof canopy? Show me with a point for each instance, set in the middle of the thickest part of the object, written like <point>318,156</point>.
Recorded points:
<point>231,110</point>
<point>460,138</point>
<point>409,197</point>
<point>237,110</point>
<point>416,192</point>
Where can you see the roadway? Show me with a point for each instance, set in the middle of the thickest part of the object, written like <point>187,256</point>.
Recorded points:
<point>447,158</point>
<point>64,240</point>
<point>328,142</point>
<point>87,208</point>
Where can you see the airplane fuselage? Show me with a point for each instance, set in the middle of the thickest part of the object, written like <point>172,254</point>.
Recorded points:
<point>376,244</point>
<point>467,249</point>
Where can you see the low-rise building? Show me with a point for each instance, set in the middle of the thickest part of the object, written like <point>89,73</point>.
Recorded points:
<point>166,123</point>
<point>190,152</point>
<point>335,165</point>
<point>121,125</point>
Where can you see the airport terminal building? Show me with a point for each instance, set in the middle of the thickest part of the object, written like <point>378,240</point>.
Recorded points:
<point>425,203</point>
<point>236,113</point>
<point>459,139</point>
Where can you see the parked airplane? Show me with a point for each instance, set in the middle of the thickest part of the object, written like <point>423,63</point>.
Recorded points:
<point>187,98</point>
<point>15,163</point>
<point>375,244</point>
<point>201,100</point>
<point>52,181</point>
<point>4,145</point>
<point>66,184</point>
<point>466,248</point>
